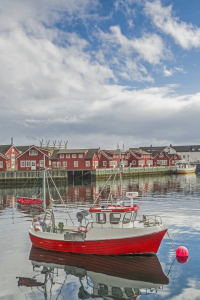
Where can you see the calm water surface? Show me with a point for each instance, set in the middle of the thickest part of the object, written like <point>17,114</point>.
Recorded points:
<point>29,273</point>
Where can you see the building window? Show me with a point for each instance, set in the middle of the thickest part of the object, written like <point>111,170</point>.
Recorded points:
<point>54,164</point>
<point>87,163</point>
<point>80,155</point>
<point>58,164</point>
<point>161,155</point>
<point>8,156</point>
<point>73,155</point>
<point>183,156</point>
<point>150,162</point>
<point>1,164</point>
<point>104,163</point>
<point>141,162</point>
<point>33,152</point>
<point>158,162</point>
<point>112,163</point>
<point>28,163</point>
<point>61,155</point>
<point>176,157</point>
<point>122,155</point>
<point>96,163</point>
<point>41,163</point>
<point>125,162</point>
<point>133,162</point>
<point>128,154</point>
<point>67,155</point>
<point>75,163</point>
<point>22,164</point>
<point>12,156</point>
<point>8,165</point>
<point>64,164</point>
<point>173,162</point>
<point>12,150</point>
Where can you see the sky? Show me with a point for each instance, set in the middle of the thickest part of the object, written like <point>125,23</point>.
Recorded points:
<point>98,73</point>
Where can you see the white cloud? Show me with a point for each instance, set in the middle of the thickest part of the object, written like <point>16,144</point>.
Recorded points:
<point>167,72</point>
<point>150,47</point>
<point>184,34</point>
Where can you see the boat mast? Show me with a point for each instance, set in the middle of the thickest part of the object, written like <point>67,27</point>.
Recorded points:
<point>44,185</point>
<point>120,173</point>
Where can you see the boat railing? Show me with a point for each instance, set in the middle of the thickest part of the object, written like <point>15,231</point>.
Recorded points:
<point>150,220</point>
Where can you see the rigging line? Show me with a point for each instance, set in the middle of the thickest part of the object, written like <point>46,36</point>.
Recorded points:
<point>60,197</point>
<point>23,185</point>
<point>61,287</point>
<point>171,241</point>
<point>113,170</point>
<point>82,175</point>
<point>111,187</point>
<point>171,266</point>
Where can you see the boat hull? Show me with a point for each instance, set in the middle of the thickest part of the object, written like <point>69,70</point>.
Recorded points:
<point>185,171</point>
<point>145,244</point>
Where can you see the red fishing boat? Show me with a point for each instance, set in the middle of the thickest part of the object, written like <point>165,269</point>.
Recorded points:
<point>29,201</point>
<point>113,229</point>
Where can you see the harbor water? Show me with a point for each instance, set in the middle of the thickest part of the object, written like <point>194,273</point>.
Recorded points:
<point>30,273</point>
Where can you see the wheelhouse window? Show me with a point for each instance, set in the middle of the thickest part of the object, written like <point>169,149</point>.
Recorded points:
<point>115,218</point>
<point>127,218</point>
<point>101,218</point>
<point>102,289</point>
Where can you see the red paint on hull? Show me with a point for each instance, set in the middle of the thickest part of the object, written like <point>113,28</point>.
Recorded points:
<point>136,245</point>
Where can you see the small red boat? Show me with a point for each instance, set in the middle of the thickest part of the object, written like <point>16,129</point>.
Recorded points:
<point>28,201</point>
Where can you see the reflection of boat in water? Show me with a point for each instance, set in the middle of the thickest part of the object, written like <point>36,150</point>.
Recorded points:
<point>112,277</point>
<point>185,168</point>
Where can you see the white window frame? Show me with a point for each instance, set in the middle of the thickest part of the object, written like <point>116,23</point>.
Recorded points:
<point>33,152</point>
<point>75,164</point>
<point>61,155</point>
<point>41,163</point>
<point>54,164</point>
<point>133,162</point>
<point>80,155</point>
<point>141,162</point>
<point>22,164</point>
<point>104,163</point>
<point>96,163</point>
<point>28,163</point>
<point>87,163</point>
<point>8,165</point>
<point>65,164</point>
<point>73,155</point>
<point>58,164</point>
<point>8,156</point>
<point>1,164</point>
<point>67,155</point>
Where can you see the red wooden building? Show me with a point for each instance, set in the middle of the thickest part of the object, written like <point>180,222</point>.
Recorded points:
<point>75,159</point>
<point>33,159</point>
<point>164,159</point>
<point>137,158</point>
<point>110,158</point>
<point>2,162</point>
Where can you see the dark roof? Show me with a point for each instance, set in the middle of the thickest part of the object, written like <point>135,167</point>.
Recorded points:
<point>122,151</point>
<point>22,148</point>
<point>154,153</point>
<point>54,155</point>
<point>71,151</point>
<point>4,148</point>
<point>138,151</point>
<point>187,148</point>
<point>90,153</point>
<point>150,149</point>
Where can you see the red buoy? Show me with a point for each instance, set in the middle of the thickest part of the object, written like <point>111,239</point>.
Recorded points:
<point>182,251</point>
<point>182,254</point>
